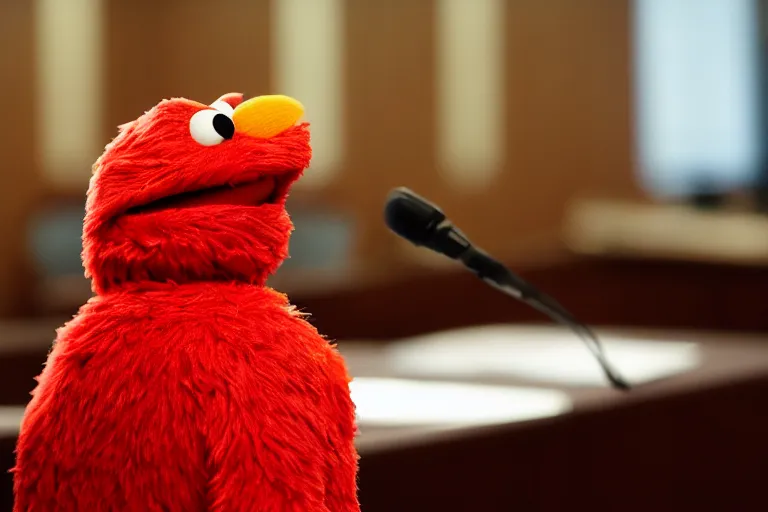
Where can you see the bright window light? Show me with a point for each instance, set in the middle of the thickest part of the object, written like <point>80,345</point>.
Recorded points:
<point>402,402</point>
<point>539,354</point>
<point>470,90</point>
<point>307,50</point>
<point>697,93</point>
<point>69,44</point>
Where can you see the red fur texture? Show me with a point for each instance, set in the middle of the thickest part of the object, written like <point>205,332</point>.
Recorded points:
<point>185,384</point>
<point>155,157</point>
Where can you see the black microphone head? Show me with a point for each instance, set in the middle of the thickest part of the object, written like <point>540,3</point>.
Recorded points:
<point>412,217</point>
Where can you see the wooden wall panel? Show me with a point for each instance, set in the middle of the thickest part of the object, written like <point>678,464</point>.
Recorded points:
<point>135,60</point>
<point>18,177</point>
<point>567,110</point>
<point>390,109</point>
<point>568,119</point>
<point>190,48</point>
<point>609,100</point>
<point>567,107</point>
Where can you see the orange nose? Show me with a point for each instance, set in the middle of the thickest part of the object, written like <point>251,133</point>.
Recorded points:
<point>263,117</point>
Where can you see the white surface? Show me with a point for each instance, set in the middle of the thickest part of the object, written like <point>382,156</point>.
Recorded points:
<point>10,419</point>
<point>697,91</point>
<point>539,354</point>
<point>402,402</point>
<point>470,90</point>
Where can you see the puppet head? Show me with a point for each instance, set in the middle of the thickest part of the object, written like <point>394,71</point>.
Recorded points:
<point>192,192</point>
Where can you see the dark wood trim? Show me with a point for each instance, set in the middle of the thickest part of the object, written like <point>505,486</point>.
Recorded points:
<point>697,451</point>
<point>627,293</point>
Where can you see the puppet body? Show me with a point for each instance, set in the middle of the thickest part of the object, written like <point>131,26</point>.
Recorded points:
<point>185,384</point>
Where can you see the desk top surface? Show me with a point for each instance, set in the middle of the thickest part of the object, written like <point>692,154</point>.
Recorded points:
<point>721,360</point>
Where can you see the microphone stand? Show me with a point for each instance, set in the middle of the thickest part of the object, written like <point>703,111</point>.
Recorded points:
<point>500,277</point>
<point>424,224</point>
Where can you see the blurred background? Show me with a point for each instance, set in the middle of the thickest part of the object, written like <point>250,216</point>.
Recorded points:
<point>611,151</point>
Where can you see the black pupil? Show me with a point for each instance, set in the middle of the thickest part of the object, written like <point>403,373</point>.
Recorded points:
<point>223,126</point>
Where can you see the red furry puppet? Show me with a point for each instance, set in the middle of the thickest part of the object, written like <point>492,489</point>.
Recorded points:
<point>186,384</point>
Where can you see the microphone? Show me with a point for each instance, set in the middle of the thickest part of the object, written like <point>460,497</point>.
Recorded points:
<point>425,225</point>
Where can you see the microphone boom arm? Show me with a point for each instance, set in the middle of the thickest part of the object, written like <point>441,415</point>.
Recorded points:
<point>500,277</point>
<point>425,225</point>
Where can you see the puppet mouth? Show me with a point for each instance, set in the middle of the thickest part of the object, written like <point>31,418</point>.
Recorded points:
<point>265,190</point>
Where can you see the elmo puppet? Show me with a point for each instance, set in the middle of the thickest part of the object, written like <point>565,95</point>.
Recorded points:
<point>186,384</point>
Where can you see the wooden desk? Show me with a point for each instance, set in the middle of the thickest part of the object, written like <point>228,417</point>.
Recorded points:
<point>695,441</point>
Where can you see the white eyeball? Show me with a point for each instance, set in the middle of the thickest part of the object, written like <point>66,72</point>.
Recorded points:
<point>223,107</point>
<point>211,127</point>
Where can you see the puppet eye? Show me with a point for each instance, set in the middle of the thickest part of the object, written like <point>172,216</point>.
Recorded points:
<point>223,107</point>
<point>211,127</point>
